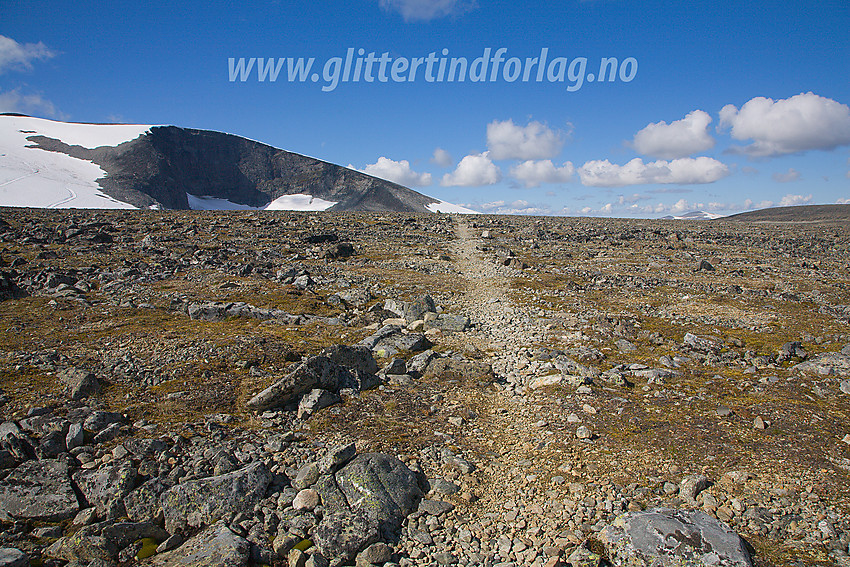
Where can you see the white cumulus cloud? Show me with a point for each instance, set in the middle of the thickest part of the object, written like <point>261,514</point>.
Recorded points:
<point>685,171</point>
<point>473,170</point>
<point>442,158</point>
<point>425,10</point>
<point>678,139</point>
<point>803,122</point>
<point>507,140</point>
<point>533,173</point>
<point>15,101</point>
<point>14,55</point>
<point>397,172</point>
<point>790,175</point>
<point>791,200</point>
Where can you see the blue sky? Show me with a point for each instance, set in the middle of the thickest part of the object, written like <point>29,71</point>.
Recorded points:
<point>733,105</point>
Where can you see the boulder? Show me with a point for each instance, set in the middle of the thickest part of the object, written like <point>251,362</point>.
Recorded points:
<point>341,535</point>
<point>381,487</point>
<point>448,323</point>
<point>415,310</point>
<point>11,557</point>
<point>667,537</point>
<point>38,490</point>
<point>103,485</point>
<point>80,383</point>
<point>353,357</point>
<point>307,376</point>
<point>103,541</point>
<point>315,400</point>
<point>826,364</point>
<point>143,503</point>
<point>201,502</point>
<point>215,546</point>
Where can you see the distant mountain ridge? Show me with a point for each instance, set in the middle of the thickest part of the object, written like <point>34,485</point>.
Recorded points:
<point>169,167</point>
<point>799,213</point>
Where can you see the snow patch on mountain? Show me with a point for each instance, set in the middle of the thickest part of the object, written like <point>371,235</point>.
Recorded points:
<point>444,207</point>
<point>32,177</point>
<point>299,202</point>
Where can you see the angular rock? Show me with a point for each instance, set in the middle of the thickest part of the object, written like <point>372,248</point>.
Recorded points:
<point>143,503</point>
<point>80,383</point>
<point>343,534</point>
<point>201,502</point>
<point>336,457</point>
<point>38,490</point>
<point>380,486</point>
<point>435,507</point>
<point>307,376</point>
<point>315,400</point>
<point>825,364</point>
<point>418,363</point>
<point>448,323</point>
<point>701,344</point>
<point>100,420</point>
<point>333,499</point>
<point>103,485</point>
<point>691,486</point>
<point>353,357</point>
<point>103,541</point>
<point>11,557</point>
<point>216,546</point>
<point>544,381</point>
<point>668,537</point>
<point>376,554</point>
<point>416,309</point>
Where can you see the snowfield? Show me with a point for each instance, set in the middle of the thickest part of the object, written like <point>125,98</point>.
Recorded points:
<point>444,207</point>
<point>31,177</point>
<point>297,202</point>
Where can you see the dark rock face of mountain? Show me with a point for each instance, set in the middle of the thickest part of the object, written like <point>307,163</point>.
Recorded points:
<point>160,167</point>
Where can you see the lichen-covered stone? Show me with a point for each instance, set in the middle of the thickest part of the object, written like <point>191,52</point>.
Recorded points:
<point>380,486</point>
<point>665,537</point>
<point>201,502</point>
<point>103,485</point>
<point>216,546</point>
<point>38,490</point>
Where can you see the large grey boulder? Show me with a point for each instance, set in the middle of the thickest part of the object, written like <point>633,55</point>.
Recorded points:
<point>103,540</point>
<point>417,309</point>
<point>38,490</point>
<point>143,504</point>
<point>826,364</point>
<point>342,534</point>
<point>664,537</point>
<point>390,339</point>
<point>381,487</point>
<point>216,546</point>
<point>11,557</point>
<point>353,357</point>
<point>448,323</point>
<point>79,382</point>
<point>201,502</point>
<point>315,400</point>
<point>104,485</point>
<point>315,372</point>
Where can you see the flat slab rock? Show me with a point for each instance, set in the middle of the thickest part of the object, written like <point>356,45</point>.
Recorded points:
<point>216,546</point>
<point>38,490</point>
<point>664,537</point>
